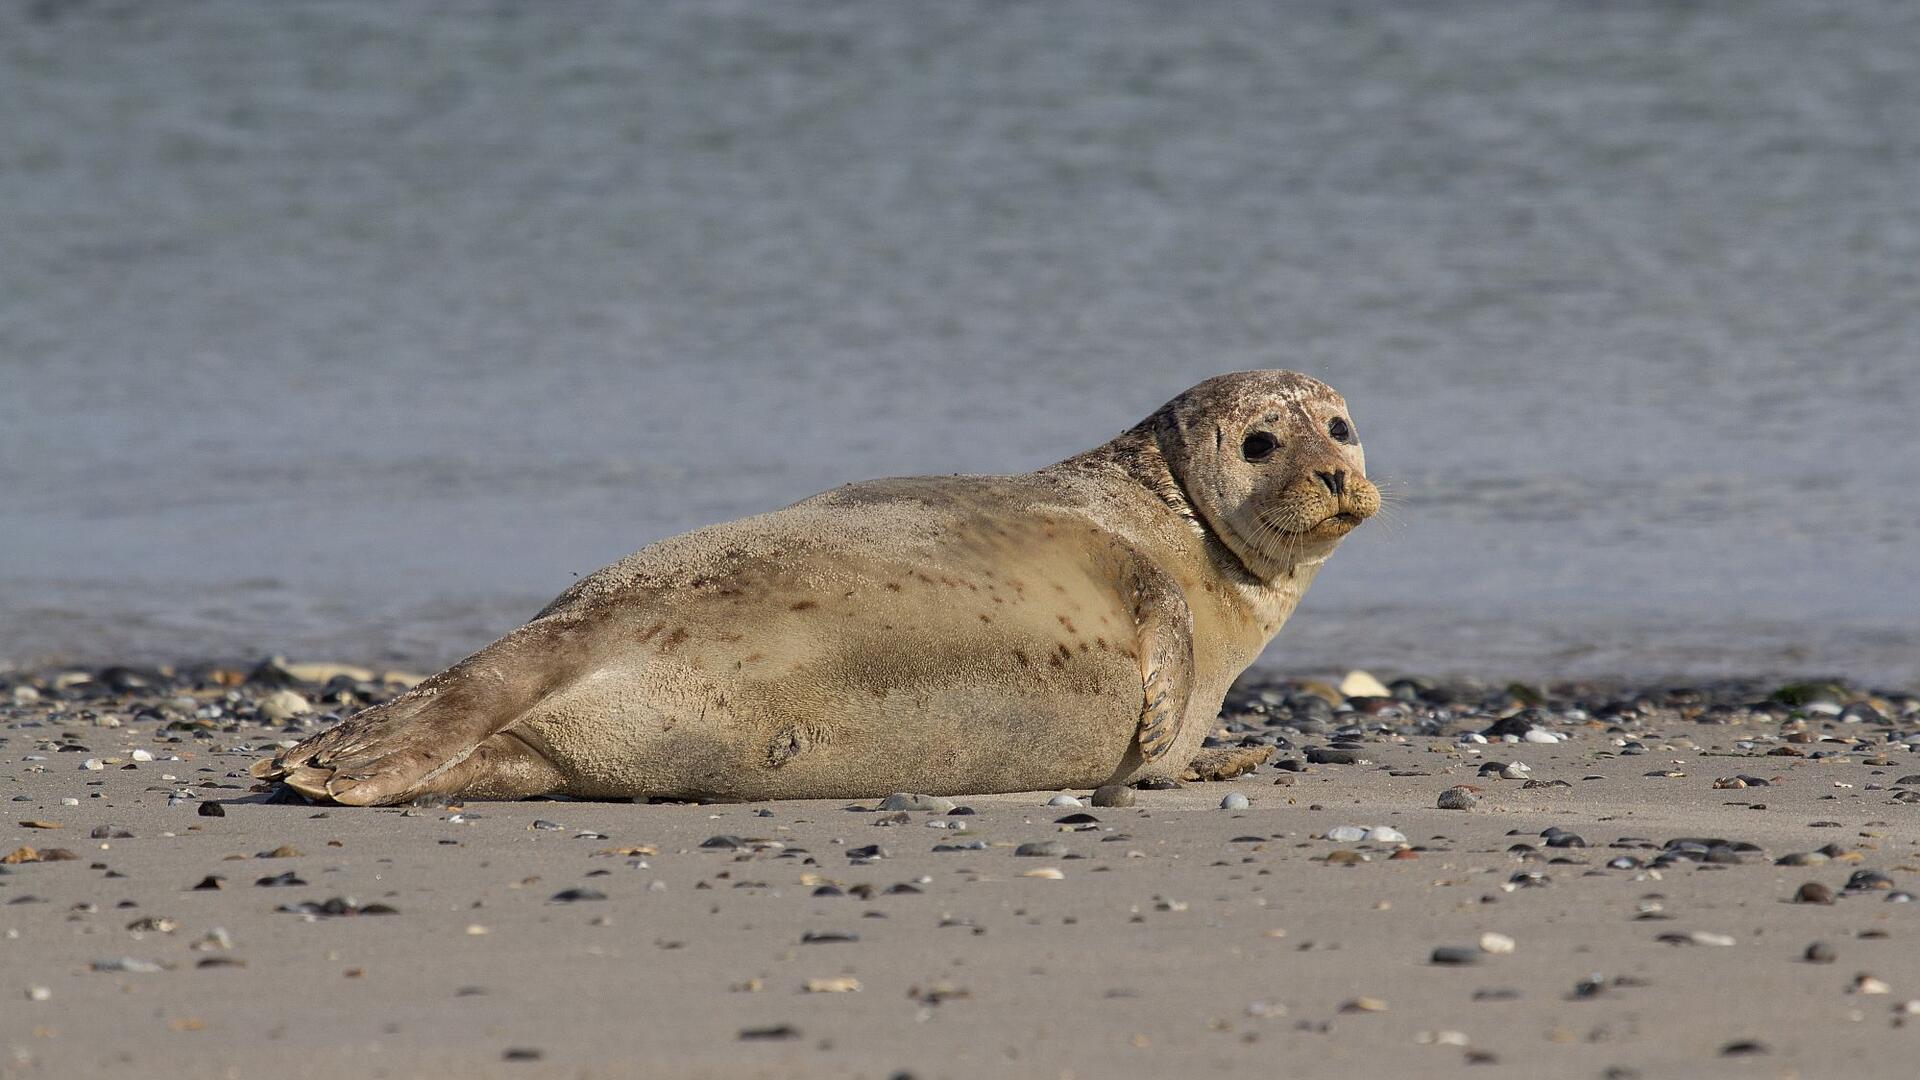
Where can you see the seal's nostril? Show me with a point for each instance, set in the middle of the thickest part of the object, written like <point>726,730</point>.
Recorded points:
<point>1335,481</point>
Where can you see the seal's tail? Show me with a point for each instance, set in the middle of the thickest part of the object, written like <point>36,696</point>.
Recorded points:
<point>452,734</point>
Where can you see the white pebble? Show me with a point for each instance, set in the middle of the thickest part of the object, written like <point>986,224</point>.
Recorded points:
<point>142,755</point>
<point>1703,937</point>
<point>93,764</point>
<point>1347,834</point>
<point>1473,737</point>
<point>69,801</point>
<point>1535,735</point>
<point>1496,944</point>
<point>39,993</point>
<point>1234,801</point>
<point>1382,834</point>
<point>1064,800</point>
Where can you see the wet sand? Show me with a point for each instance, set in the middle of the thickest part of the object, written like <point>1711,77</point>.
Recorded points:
<point>1169,938</point>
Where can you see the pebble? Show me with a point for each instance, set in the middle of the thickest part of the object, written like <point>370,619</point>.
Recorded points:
<point>1347,834</point>
<point>1234,801</point>
<point>1813,893</point>
<point>1042,849</point>
<point>1383,834</point>
<point>907,800</point>
<point>1864,983</point>
<point>1537,735</point>
<point>1819,952</point>
<point>1454,955</point>
<point>127,964</point>
<point>1064,800</point>
<point>1496,944</point>
<point>211,809</point>
<point>283,705</point>
<point>1457,798</point>
<point>1865,880</point>
<point>1113,795</point>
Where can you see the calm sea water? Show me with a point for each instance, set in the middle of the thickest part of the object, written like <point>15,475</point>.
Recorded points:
<point>343,330</point>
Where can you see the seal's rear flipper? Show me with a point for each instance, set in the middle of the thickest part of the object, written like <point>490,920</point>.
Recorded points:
<point>449,735</point>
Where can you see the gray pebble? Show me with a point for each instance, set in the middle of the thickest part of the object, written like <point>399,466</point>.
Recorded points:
<point>907,800</point>
<point>1234,801</point>
<point>1457,798</point>
<point>1042,849</point>
<point>1113,795</point>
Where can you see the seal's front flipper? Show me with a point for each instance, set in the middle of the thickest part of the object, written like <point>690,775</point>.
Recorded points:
<point>1227,762</point>
<point>446,736</point>
<point>1166,660</point>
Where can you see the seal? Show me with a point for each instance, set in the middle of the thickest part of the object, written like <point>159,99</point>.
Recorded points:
<point>1071,627</point>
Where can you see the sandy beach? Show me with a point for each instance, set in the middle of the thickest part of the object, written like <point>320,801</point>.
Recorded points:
<point>1613,905</point>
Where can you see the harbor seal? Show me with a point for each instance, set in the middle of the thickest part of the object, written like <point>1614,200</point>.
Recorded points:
<point>1071,627</point>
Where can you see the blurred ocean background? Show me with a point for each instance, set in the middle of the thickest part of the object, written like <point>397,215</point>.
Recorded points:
<point>355,330</point>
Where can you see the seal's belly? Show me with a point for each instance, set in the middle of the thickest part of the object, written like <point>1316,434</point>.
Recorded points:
<point>1009,674</point>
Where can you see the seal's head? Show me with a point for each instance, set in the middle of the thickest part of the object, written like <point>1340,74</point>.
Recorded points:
<point>1270,462</point>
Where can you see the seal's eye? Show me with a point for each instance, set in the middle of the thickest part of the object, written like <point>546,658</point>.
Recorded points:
<point>1259,446</point>
<point>1340,429</point>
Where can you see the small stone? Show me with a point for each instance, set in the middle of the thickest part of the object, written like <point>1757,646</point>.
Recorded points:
<point>1865,880</point>
<point>1457,798</point>
<point>1042,849</point>
<point>93,764</point>
<point>573,896</point>
<point>907,800</point>
<point>1454,956</point>
<point>211,809</point>
<point>1819,953</point>
<point>283,705</point>
<point>522,1053</point>
<point>1113,795</point>
<point>543,825</point>
<point>1363,1005</point>
<point>1802,858</point>
<point>840,984</point>
<point>1346,834</point>
<point>127,964</point>
<point>1813,893</point>
<point>1496,944</point>
<point>1744,1047</point>
<point>141,755</point>
<point>1363,684</point>
<point>284,851</point>
<point>39,993</point>
<point>1046,872</point>
<point>1063,800</point>
<point>1537,735</point>
<point>1864,983</point>
<point>1234,801</point>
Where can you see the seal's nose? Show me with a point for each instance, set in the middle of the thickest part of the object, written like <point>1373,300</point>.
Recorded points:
<point>1335,481</point>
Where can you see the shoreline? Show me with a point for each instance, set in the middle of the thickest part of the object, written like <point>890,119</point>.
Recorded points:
<point>1635,890</point>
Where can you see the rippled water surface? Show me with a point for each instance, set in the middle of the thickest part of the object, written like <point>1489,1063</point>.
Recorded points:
<point>339,330</point>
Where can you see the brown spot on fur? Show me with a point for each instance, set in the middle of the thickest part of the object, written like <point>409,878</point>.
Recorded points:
<point>1022,658</point>
<point>893,586</point>
<point>1056,661</point>
<point>647,634</point>
<point>1066,622</point>
<point>679,635</point>
<point>754,656</point>
<point>1100,641</point>
<point>802,605</point>
<point>984,617</point>
<point>1064,651</point>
